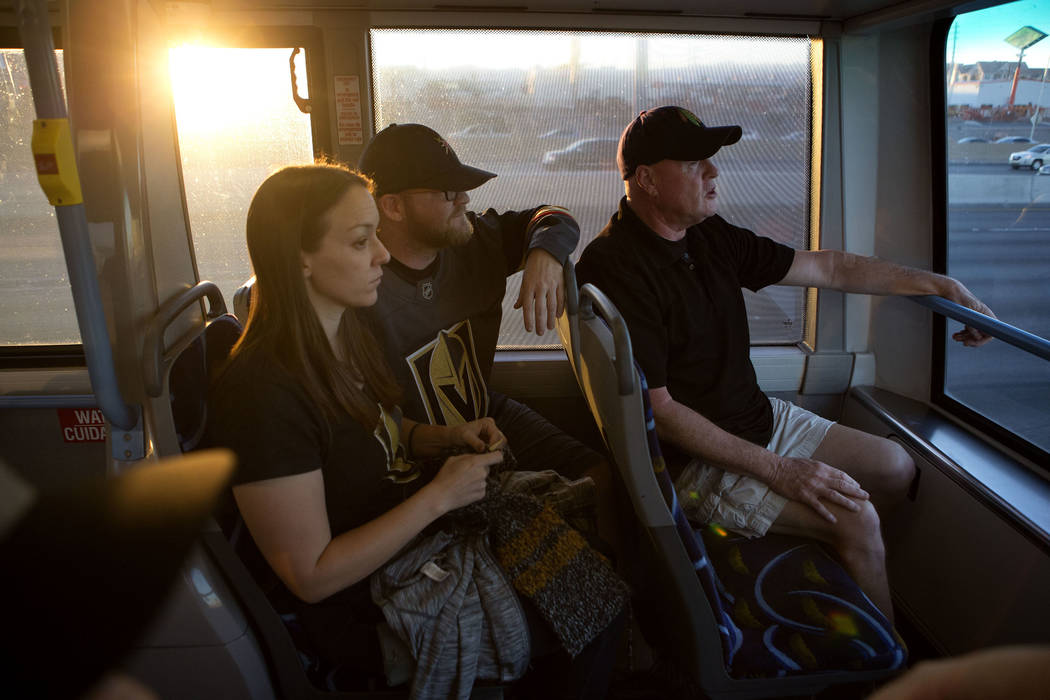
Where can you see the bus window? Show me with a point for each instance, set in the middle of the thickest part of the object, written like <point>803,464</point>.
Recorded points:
<point>998,219</point>
<point>545,109</point>
<point>36,303</point>
<point>237,123</point>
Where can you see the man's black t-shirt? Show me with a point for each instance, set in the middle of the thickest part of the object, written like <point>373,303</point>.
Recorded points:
<point>439,330</point>
<point>685,311</point>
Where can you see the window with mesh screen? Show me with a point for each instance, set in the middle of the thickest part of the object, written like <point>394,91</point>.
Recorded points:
<point>545,109</point>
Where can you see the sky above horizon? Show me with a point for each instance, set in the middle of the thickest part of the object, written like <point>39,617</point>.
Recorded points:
<point>981,35</point>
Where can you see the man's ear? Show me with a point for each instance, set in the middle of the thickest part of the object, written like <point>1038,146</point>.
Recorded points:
<point>391,207</point>
<point>643,176</point>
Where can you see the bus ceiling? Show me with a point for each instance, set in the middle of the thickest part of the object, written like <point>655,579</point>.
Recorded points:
<point>851,15</point>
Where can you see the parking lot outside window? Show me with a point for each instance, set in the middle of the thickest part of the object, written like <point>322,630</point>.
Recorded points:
<point>545,110</point>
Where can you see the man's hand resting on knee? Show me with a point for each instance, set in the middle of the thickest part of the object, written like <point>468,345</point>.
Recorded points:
<point>811,482</point>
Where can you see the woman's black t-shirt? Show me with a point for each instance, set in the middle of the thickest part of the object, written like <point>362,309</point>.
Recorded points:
<point>258,410</point>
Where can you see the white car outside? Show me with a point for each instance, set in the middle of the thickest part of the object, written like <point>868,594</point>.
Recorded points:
<point>1034,158</point>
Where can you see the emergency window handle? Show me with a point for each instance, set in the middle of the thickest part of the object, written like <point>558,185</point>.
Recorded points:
<point>301,102</point>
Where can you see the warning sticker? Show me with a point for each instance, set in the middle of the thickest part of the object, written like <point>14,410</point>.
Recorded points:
<point>348,110</point>
<point>82,424</point>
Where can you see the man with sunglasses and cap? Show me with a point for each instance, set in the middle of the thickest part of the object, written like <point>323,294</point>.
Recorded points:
<point>440,303</point>
<point>675,268</point>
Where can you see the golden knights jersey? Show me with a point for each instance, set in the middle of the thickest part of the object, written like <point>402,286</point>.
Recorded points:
<point>440,331</point>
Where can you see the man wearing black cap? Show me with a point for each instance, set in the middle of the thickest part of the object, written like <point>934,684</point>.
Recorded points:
<point>674,269</point>
<point>439,312</point>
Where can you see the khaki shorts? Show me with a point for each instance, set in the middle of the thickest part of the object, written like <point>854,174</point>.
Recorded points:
<point>741,503</point>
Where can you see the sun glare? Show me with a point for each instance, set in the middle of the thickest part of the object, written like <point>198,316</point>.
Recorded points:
<point>219,90</point>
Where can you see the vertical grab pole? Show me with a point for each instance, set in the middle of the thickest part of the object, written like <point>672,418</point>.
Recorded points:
<point>56,170</point>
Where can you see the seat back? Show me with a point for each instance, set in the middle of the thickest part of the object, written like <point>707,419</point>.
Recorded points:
<point>569,322</point>
<point>242,299</point>
<point>613,390</point>
<point>176,373</point>
<point>193,371</point>
<point>695,611</point>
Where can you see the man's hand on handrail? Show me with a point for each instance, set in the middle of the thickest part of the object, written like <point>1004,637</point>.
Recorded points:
<point>969,336</point>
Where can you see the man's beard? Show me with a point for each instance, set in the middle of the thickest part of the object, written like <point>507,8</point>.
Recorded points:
<point>451,235</point>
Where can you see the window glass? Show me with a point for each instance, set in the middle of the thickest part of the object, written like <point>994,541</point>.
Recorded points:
<point>36,302</point>
<point>237,123</point>
<point>544,110</point>
<point>998,237</point>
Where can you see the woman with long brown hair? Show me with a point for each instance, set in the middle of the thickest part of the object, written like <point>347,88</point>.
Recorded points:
<point>325,484</point>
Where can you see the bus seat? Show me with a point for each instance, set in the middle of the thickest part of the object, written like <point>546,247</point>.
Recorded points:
<point>242,299</point>
<point>191,374</point>
<point>569,322</point>
<point>740,618</point>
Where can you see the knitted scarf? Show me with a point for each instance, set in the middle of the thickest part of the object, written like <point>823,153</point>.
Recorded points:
<point>571,584</point>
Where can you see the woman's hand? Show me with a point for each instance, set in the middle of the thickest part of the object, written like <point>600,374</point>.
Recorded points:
<point>479,435</point>
<point>461,480</point>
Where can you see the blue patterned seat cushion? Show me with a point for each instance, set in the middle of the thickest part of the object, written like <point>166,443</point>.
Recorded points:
<point>795,608</point>
<point>783,605</point>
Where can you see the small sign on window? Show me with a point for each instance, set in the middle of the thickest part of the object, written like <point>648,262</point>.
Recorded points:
<point>348,110</point>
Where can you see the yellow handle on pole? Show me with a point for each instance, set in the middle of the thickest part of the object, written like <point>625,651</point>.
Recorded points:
<point>56,166</point>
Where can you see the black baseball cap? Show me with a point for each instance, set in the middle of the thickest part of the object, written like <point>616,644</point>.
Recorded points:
<point>672,133</point>
<point>406,156</point>
<point>88,565</point>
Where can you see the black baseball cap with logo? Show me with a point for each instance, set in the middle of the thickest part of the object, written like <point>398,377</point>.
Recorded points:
<point>87,566</point>
<point>670,133</point>
<point>407,156</point>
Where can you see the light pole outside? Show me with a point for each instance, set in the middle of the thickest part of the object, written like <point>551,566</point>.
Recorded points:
<point>1023,38</point>
<point>1039,101</point>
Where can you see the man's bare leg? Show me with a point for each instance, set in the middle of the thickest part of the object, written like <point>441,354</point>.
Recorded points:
<point>883,468</point>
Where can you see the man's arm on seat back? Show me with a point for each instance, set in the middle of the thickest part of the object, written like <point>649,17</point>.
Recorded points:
<point>804,480</point>
<point>548,227</point>
<point>538,241</point>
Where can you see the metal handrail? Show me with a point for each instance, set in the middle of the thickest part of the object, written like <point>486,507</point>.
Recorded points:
<point>34,28</point>
<point>1040,347</point>
<point>155,357</point>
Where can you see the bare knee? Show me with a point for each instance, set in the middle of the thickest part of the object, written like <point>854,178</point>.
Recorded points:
<point>897,470</point>
<point>859,531</point>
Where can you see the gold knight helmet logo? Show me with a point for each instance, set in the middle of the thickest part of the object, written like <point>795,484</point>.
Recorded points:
<point>448,377</point>
<point>398,468</point>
